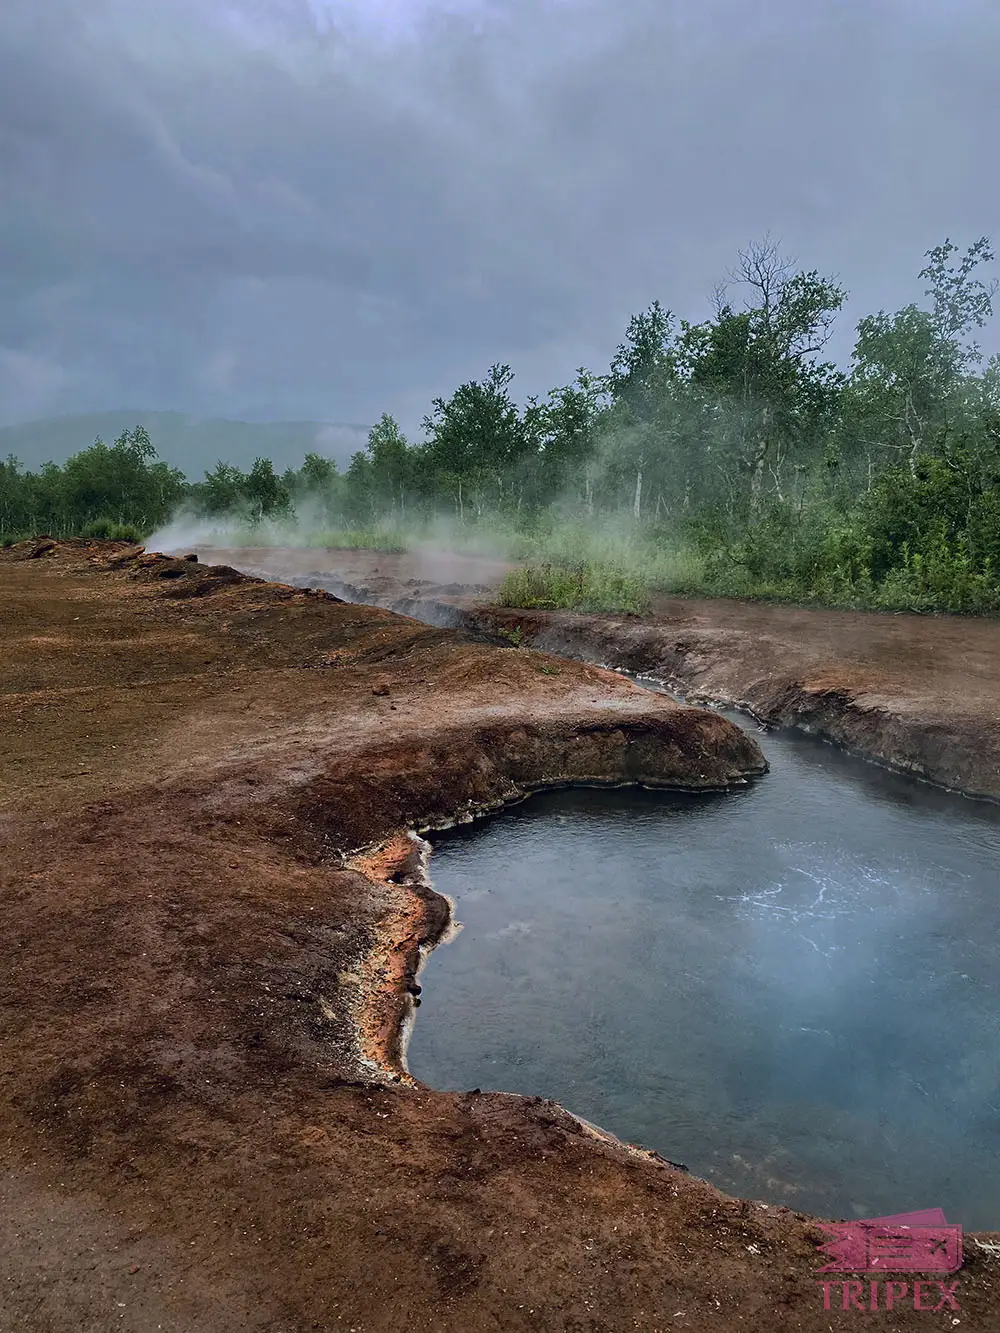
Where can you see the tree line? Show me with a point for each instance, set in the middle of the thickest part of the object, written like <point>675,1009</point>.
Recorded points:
<point>736,439</point>
<point>99,491</point>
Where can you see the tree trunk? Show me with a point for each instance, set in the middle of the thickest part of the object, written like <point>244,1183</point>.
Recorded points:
<point>914,428</point>
<point>760,462</point>
<point>637,502</point>
<point>914,450</point>
<point>757,476</point>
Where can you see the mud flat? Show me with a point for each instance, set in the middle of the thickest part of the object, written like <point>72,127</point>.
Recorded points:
<point>918,694</point>
<point>211,923</point>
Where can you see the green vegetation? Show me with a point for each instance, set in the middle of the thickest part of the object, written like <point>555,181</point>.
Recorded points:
<point>117,490</point>
<point>727,457</point>
<point>106,530</point>
<point>585,587</point>
<point>244,532</point>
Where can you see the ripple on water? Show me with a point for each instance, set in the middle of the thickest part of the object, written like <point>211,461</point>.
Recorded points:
<point>793,988</point>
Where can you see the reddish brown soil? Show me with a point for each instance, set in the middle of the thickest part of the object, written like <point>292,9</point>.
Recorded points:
<point>203,1122</point>
<point>920,694</point>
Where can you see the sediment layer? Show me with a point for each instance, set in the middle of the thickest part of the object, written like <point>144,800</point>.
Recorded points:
<point>931,733</point>
<point>918,694</point>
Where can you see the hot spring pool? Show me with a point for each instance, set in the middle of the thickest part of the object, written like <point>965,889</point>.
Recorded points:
<point>792,988</point>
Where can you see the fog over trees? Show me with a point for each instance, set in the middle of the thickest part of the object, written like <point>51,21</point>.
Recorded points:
<point>729,456</point>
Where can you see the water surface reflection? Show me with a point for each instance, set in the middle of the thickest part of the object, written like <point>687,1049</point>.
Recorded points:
<point>793,988</point>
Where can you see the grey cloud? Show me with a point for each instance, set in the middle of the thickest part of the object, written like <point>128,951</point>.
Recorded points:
<point>210,207</point>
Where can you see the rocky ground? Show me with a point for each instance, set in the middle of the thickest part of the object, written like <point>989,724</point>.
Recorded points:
<point>920,694</point>
<point>211,920</point>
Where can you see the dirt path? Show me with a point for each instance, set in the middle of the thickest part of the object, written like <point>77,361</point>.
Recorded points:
<point>920,694</point>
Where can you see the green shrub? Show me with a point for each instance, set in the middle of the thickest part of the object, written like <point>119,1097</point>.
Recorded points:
<point>361,539</point>
<point>106,529</point>
<point>941,578</point>
<point>101,528</point>
<point>128,532</point>
<point>583,587</point>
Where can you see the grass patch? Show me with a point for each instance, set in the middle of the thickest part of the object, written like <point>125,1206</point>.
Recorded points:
<point>359,539</point>
<point>583,587</point>
<point>280,534</point>
<point>106,529</point>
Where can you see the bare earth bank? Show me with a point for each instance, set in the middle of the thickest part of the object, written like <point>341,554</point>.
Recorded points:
<point>211,921</point>
<point>920,694</point>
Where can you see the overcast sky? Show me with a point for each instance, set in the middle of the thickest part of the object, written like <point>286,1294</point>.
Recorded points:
<point>323,209</point>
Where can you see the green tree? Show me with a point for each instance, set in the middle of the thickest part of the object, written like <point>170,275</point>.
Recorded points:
<point>120,482</point>
<point>266,494</point>
<point>317,473</point>
<point>392,465</point>
<point>317,489</point>
<point>477,441</point>
<point>640,371</point>
<point>758,372</point>
<point>565,427</point>
<point>910,368</point>
<point>223,489</point>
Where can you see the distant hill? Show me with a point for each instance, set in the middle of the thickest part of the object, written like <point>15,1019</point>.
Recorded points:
<point>193,444</point>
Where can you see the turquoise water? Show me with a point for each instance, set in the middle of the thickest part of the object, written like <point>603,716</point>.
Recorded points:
<point>793,988</point>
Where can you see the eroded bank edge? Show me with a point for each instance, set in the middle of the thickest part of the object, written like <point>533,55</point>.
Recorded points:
<point>403,863</point>
<point>418,917</point>
<point>892,740</point>
<point>888,739</point>
<point>878,735</point>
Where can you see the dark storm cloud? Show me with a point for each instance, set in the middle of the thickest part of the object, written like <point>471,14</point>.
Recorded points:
<point>222,207</point>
